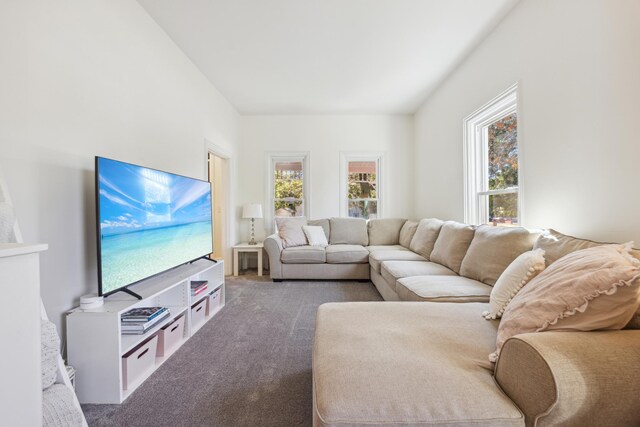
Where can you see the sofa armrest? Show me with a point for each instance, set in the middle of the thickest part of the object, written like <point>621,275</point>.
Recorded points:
<point>573,378</point>
<point>273,246</point>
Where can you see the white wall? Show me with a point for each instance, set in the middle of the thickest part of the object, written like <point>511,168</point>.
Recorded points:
<point>578,64</point>
<point>80,79</point>
<point>324,137</point>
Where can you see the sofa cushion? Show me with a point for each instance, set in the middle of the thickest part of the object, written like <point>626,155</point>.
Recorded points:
<point>290,231</point>
<point>493,249</point>
<point>386,248</point>
<point>425,236</point>
<point>394,270</point>
<point>324,223</point>
<point>375,258</point>
<point>556,245</point>
<point>404,364</point>
<point>452,244</point>
<point>347,254</point>
<point>348,231</point>
<point>442,289</point>
<point>407,232</point>
<point>385,231</point>
<point>303,255</point>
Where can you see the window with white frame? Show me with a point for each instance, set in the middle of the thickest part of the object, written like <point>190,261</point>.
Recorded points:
<point>360,187</point>
<point>288,184</point>
<point>492,172</point>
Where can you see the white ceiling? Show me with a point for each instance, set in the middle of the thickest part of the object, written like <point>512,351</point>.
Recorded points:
<point>326,56</point>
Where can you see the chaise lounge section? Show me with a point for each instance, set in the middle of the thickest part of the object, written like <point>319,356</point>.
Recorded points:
<point>425,362</point>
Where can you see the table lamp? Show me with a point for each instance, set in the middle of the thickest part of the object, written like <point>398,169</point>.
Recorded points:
<point>252,211</point>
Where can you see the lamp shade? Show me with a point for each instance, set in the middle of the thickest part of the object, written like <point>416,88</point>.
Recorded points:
<point>252,211</point>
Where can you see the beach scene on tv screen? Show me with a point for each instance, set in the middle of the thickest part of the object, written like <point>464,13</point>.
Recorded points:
<point>150,221</point>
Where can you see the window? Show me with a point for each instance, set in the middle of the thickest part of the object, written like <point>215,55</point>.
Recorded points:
<point>492,178</point>
<point>360,185</point>
<point>288,185</point>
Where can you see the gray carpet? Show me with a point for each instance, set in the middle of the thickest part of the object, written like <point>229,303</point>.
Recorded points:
<point>249,366</point>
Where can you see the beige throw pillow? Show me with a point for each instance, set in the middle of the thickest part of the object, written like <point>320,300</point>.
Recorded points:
<point>315,235</point>
<point>493,249</point>
<point>407,232</point>
<point>572,285</point>
<point>452,244</point>
<point>290,231</point>
<point>524,268</point>
<point>425,236</point>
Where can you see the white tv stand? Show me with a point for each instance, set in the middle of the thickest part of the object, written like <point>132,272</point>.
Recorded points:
<point>96,345</point>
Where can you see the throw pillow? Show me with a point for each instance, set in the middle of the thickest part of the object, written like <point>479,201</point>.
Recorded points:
<point>49,353</point>
<point>324,223</point>
<point>7,223</point>
<point>315,235</point>
<point>407,232</point>
<point>290,231</point>
<point>524,268</point>
<point>349,231</point>
<point>493,249</point>
<point>452,244</point>
<point>570,286</point>
<point>425,236</point>
<point>384,231</point>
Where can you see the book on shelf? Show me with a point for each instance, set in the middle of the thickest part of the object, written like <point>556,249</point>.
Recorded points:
<point>142,327</point>
<point>142,314</point>
<point>198,286</point>
<point>198,292</point>
<point>198,283</point>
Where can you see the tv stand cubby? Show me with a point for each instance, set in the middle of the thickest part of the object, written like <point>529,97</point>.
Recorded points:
<point>96,345</point>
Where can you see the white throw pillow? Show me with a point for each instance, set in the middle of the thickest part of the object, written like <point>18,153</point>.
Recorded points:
<point>524,268</point>
<point>315,235</point>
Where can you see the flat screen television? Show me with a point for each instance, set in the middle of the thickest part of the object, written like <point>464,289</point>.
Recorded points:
<point>148,222</point>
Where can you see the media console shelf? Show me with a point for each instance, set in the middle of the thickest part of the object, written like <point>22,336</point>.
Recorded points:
<point>96,345</point>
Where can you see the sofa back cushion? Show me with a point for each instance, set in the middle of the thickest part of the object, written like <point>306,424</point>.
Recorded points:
<point>556,245</point>
<point>348,231</point>
<point>493,249</point>
<point>324,223</point>
<point>407,232</point>
<point>425,236</point>
<point>290,231</point>
<point>452,244</point>
<point>384,231</point>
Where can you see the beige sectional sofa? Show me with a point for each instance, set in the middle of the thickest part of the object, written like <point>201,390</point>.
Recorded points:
<point>421,358</point>
<point>406,260</point>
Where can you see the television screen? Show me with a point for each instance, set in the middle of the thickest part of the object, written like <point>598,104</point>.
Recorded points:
<point>148,222</point>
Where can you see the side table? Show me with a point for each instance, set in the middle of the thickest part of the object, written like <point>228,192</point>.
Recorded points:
<point>245,247</point>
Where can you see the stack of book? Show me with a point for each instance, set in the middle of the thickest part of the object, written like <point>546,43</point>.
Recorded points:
<point>198,287</point>
<point>140,320</point>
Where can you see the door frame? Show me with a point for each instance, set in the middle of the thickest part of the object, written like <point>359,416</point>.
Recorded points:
<point>225,154</point>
